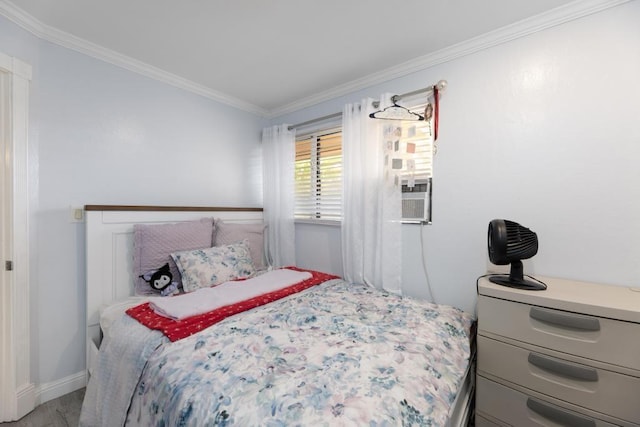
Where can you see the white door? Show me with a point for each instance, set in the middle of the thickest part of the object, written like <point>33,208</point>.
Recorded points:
<point>17,392</point>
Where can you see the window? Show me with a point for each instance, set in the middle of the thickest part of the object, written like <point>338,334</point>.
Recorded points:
<point>415,149</point>
<point>318,176</point>
<point>318,168</point>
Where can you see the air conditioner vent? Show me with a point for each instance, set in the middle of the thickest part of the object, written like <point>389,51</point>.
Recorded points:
<point>416,203</point>
<point>413,208</point>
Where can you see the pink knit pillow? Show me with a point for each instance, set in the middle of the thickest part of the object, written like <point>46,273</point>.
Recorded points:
<point>154,243</point>
<point>228,233</point>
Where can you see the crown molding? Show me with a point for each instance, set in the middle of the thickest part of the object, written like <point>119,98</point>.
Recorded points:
<point>53,35</point>
<point>560,15</point>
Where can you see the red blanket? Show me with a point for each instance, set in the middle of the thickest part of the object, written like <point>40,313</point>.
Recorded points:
<point>178,329</point>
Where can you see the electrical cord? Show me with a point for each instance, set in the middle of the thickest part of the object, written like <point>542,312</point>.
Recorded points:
<point>424,264</point>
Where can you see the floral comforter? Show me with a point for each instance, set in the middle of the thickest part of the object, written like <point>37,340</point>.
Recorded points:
<point>335,354</point>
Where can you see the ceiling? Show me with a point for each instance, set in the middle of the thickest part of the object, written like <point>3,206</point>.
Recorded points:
<point>267,56</point>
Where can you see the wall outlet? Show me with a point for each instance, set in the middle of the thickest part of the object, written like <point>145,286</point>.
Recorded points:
<point>76,214</point>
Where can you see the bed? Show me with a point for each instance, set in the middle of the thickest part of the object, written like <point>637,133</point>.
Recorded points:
<point>319,351</point>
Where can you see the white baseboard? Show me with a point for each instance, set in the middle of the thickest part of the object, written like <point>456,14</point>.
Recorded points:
<point>48,391</point>
<point>26,398</point>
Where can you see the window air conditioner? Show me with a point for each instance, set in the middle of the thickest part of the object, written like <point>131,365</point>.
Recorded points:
<point>416,203</point>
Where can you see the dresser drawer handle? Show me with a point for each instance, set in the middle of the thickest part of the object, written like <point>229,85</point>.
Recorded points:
<point>558,415</point>
<point>563,368</point>
<point>567,320</point>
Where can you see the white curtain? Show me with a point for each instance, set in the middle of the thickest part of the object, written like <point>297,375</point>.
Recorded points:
<point>371,227</point>
<point>278,161</point>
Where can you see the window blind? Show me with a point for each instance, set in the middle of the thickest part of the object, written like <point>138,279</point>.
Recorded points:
<point>318,176</point>
<point>417,145</point>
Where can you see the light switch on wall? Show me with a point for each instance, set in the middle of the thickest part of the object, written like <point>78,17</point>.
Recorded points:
<point>76,214</point>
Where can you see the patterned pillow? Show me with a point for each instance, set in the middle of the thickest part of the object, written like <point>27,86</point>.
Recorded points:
<point>227,233</point>
<point>211,266</point>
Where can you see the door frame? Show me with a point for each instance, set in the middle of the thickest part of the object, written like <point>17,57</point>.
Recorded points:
<point>17,391</point>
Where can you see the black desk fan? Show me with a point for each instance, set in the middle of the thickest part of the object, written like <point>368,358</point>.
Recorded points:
<point>509,243</point>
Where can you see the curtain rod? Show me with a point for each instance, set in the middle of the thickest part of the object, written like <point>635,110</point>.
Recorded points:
<point>318,119</point>
<point>440,85</point>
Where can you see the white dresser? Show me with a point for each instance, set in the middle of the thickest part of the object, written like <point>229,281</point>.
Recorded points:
<point>565,356</point>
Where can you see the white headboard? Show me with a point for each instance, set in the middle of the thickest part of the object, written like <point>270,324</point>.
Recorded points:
<point>109,246</point>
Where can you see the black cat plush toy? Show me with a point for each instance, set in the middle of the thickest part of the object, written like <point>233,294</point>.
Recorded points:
<point>161,280</point>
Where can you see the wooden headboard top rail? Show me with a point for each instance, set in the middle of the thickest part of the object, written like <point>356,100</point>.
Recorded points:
<point>126,208</point>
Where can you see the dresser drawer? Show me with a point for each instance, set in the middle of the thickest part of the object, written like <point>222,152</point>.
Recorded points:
<point>481,421</point>
<point>606,340</point>
<point>597,389</point>
<point>517,409</point>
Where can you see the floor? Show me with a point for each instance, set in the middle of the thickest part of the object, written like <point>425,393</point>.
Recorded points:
<point>61,412</point>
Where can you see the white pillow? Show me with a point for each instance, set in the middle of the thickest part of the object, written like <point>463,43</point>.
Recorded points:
<point>201,268</point>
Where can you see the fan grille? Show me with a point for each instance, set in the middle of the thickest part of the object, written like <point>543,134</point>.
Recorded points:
<point>522,243</point>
